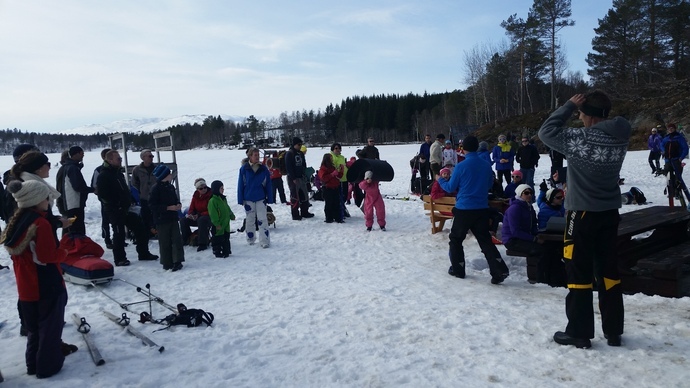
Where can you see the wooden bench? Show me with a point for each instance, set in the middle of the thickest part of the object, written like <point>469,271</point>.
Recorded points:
<point>442,205</point>
<point>436,208</point>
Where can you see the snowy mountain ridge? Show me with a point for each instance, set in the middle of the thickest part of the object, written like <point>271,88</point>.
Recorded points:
<point>144,124</point>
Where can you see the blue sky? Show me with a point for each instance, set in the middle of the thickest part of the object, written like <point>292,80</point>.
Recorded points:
<point>69,63</point>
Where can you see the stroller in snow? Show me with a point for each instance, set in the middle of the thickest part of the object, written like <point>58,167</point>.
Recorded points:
<point>420,185</point>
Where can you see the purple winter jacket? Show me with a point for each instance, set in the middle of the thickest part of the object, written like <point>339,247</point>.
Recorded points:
<point>654,142</point>
<point>519,221</point>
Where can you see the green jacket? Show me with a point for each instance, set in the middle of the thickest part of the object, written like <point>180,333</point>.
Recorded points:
<point>339,160</point>
<point>220,213</point>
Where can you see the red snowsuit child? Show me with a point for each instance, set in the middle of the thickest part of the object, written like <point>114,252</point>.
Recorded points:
<point>373,200</point>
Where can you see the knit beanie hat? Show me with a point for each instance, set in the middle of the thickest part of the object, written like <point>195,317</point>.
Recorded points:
<point>449,142</point>
<point>552,193</point>
<point>144,152</point>
<point>444,170</point>
<point>215,187</point>
<point>520,189</point>
<point>296,140</point>
<point>303,149</point>
<point>199,182</point>
<point>29,193</point>
<point>161,171</point>
<point>33,160</point>
<point>368,175</point>
<point>470,144</point>
<point>517,173</point>
<point>483,146</point>
<point>21,150</point>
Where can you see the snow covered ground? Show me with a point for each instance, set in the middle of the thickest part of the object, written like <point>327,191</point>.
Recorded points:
<point>330,305</point>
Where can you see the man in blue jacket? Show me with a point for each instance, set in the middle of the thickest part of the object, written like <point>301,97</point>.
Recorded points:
<point>472,180</point>
<point>674,148</point>
<point>254,191</point>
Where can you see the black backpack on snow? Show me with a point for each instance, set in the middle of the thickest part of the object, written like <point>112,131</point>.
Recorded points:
<point>638,196</point>
<point>185,316</point>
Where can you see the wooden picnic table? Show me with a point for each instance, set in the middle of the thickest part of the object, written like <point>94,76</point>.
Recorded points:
<point>657,263</point>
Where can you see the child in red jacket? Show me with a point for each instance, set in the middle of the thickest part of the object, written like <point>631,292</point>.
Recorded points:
<point>330,185</point>
<point>373,201</point>
<point>31,241</point>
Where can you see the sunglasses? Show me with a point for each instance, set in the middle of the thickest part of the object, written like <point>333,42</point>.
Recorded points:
<point>559,197</point>
<point>203,188</point>
<point>149,156</point>
<point>516,176</point>
<point>528,192</point>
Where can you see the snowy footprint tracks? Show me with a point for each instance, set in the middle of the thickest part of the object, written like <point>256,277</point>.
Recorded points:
<point>84,328</point>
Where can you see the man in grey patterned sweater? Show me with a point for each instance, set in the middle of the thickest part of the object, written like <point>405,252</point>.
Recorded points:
<point>595,154</point>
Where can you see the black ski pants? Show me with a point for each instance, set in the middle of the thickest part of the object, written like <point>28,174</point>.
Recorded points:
<point>120,219</point>
<point>332,204</point>
<point>221,244</point>
<point>277,184</point>
<point>477,221</point>
<point>653,160</point>
<point>589,250</point>
<point>44,320</point>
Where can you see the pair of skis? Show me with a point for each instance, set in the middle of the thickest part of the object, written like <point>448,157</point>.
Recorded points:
<point>84,328</point>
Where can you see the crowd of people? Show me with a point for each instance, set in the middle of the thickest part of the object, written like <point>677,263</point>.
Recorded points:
<point>472,173</point>
<point>585,258</point>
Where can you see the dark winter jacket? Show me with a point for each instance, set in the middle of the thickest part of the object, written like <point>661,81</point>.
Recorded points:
<point>425,149</point>
<point>547,210</point>
<point>674,146</point>
<point>654,142</point>
<point>509,191</point>
<point>295,164</point>
<point>503,151</point>
<point>595,157</point>
<point>33,246</point>
<point>70,183</point>
<point>485,155</point>
<point>163,194</point>
<point>143,180</point>
<point>369,152</point>
<point>254,186</point>
<point>113,191</point>
<point>527,156</point>
<point>519,221</point>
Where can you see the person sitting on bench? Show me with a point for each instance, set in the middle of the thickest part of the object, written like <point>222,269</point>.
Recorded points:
<point>519,230</point>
